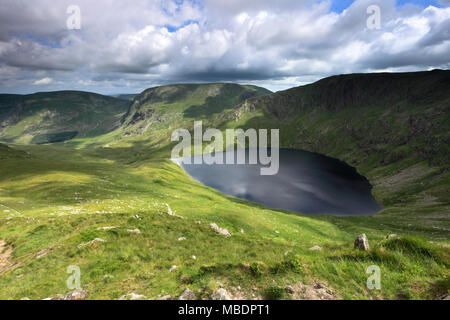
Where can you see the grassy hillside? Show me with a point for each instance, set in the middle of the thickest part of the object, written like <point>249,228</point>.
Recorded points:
<point>161,107</point>
<point>54,198</point>
<point>57,116</point>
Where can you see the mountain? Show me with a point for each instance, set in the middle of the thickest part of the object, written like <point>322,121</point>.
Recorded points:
<point>57,116</point>
<point>387,125</point>
<point>165,106</point>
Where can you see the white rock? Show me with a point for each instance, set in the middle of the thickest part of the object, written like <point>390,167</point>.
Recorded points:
<point>182,239</point>
<point>194,258</point>
<point>187,295</point>
<point>132,296</point>
<point>220,294</point>
<point>173,268</point>
<point>315,248</point>
<point>90,242</point>
<point>135,231</point>
<point>106,228</point>
<point>169,211</point>
<point>42,253</point>
<point>221,231</point>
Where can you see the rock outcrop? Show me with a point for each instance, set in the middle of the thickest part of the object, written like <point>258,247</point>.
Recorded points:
<point>362,243</point>
<point>220,294</point>
<point>187,295</point>
<point>221,231</point>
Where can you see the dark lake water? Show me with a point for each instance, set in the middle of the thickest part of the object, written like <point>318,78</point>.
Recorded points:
<point>306,183</point>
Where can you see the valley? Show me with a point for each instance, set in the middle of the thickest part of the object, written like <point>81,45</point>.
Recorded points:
<point>107,181</point>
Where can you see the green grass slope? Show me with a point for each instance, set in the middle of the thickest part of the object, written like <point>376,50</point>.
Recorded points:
<point>55,199</point>
<point>161,107</point>
<point>48,117</point>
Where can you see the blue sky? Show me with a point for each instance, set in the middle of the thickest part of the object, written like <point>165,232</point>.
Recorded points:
<point>340,5</point>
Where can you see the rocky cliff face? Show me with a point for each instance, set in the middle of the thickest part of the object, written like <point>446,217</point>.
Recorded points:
<point>391,91</point>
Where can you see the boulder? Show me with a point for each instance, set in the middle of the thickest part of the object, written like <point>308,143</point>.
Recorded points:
<point>166,297</point>
<point>220,294</point>
<point>362,243</point>
<point>315,248</point>
<point>187,295</point>
<point>76,295</point>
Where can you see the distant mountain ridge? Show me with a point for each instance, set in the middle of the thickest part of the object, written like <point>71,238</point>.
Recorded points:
<point>48,117</point>
<point>390,90</point>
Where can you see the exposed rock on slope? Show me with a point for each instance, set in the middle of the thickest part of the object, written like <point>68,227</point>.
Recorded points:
<point>391,91</point>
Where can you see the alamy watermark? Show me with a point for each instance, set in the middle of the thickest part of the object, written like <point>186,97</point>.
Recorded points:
<point>374,19</point>
<point>258,149</point>
<point>73,282</point>
<point>374,281</point>
<point>74,20</point>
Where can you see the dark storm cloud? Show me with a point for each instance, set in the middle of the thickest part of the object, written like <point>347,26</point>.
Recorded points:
<point>212,75</point>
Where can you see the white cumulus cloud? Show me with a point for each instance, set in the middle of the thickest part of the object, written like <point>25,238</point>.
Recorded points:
<point>43,81</point>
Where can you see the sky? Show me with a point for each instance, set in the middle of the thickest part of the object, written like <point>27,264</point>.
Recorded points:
<point>118,46</point>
